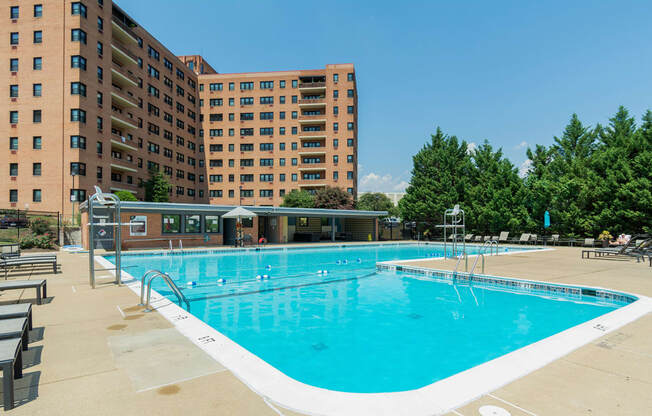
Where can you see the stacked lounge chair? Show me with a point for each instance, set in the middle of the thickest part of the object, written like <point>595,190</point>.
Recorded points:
<point>15,323</point>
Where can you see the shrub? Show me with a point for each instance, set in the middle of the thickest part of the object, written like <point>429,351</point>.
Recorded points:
<point>45,241</point>
<point>39,226</point>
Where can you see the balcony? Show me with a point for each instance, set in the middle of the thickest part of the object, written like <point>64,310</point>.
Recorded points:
<point>123,165</point>
<point>312,134</point>
<point>316,118</point>
<point>120,142</point>
<point>122,122</point>
<point>314,168</point>
<point>312,86</point>
<point>312,102</point>
<point>122,54</point>
<point>304,183</point>
<point>121,99</point>
<point>316,152</point>
<point>121,76</point>
<point>123,32</point>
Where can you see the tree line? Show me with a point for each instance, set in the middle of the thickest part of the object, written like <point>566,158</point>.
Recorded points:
<point>590,179</point>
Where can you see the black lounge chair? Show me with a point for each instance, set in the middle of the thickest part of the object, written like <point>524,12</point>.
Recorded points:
<point>638,244</point>
<point>15,262</point>
<point>11,361</point>
<point>17,310</point>
<point>39,285</point>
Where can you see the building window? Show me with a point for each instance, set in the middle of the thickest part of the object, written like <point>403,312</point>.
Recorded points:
<point>349,76</point>
<point>38,10</point>
<point>349,93</point>
<point>294,177</point>
<point>336,110</point>
<point>78,61</point>
<point>100,74</point>
<point>281,161</point>
<point>78,88</point>
<point>13,117</point>
<point>98,174</point>
<point>349,142</point>
<point>171,223</point>
<point>349,126</point>
<point>38,36</point>
<point>335,159</point>
<point>349,158</point>
<point>78,35</point>
<point>36,142</point>
<point>349,175</point>
<point>232,102</point>
<point>100,48</point>
<point>100,24</point>
<point>336,93</point>
<point>78,169</point>
<point>78,9</point>
<point>294,99</point>
<point>294,130</point>
<point>335,175</point>
<point>336,126</point>
<point>336,143</point>
<point>77,114</point>
<point>294,83</point>
<point>281,99</point>
<point>294,161</point>
<point>13,38</point>
<point>98,149</point>
<point>36,116</point>
<point>78,142</point>
<point>281,177</point>
<point>36,169</point>
<point>231,86</point>
<point>294,115</point>
<point>37,63</point>
<point>13,169</point>
<point>266,85</point>
<point>266,193</point>
<point>13,195</point>
<point>349,109</point>
<point>99,98</point>
<point>13,64</point>
<point>13,91</point>
<point>37,90</point>
<point>15,12</point>
<point>281,131</point>
<point>36,195</point>
<point>13,143</point>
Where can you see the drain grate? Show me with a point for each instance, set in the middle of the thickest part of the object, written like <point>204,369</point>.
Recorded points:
<point>319,346</point>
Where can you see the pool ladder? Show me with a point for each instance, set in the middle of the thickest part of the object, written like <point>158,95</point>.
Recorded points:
<point>153,274</point>
<point>489,244</point>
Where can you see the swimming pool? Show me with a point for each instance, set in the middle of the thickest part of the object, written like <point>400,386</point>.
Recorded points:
<point>355,329</point>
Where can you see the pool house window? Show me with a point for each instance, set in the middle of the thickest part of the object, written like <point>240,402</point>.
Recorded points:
<point>171,224</point>
<point>193,223</point>
<point>212,224</point>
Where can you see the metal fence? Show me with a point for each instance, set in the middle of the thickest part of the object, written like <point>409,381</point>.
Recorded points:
<point>16,224</point>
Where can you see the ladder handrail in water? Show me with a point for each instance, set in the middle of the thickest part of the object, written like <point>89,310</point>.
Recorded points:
<point>142,285</point>
<point>459,259</point>
<point>175,289</point>
<point>476,262</point>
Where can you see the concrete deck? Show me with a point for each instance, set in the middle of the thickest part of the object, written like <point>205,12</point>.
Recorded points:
<point>96,352</point>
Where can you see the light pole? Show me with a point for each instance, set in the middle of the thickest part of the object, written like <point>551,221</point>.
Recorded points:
<point>73,196</point>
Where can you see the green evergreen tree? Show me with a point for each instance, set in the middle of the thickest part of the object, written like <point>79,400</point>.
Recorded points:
<point>157,187</point>
<point>440,177</point>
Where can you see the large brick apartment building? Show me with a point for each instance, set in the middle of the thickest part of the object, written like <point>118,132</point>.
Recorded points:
<point>94,99</point>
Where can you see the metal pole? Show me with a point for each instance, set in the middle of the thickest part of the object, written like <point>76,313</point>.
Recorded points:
<point>91,242</point>
<point>332,228</point>
<point>118,247</point>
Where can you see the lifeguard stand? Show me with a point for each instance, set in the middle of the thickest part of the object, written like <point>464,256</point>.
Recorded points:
<point>454,220</point>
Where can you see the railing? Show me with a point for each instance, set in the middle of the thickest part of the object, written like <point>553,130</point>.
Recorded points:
<point>124,49</point>
<point>312,133</point>
<point>312,116</point>
<point>312,84</point>
<point>124,27</point>
<point>475,263</point>
<point>490,244</point>
<point>167,279</point>
<point>123,94</point>
<point>117,66</point>
<point>459,259</point>
<point>312,100</point>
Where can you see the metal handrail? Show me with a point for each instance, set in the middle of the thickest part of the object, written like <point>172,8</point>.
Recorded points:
<point>489,244</point>
<point>459,259</point>
<point>142,285</point>
<point>171,285</point>
<point>476,262</point>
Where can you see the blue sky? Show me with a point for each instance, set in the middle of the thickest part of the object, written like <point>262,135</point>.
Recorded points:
<point>508,72</point>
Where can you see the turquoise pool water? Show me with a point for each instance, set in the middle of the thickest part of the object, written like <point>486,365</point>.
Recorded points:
<point>357,330</point>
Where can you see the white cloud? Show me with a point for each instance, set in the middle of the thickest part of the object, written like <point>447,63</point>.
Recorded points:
<point>524,169</point>
<point>470,148</point>
<point>373,182</point>
<point>521,145</point>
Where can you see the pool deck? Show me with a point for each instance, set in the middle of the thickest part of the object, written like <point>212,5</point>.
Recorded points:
<point>96,352</point>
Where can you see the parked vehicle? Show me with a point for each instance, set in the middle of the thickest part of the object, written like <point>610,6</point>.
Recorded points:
<point>9,221</point>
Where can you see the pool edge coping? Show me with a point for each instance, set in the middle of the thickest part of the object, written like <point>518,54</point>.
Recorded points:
<point>436,398</point>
